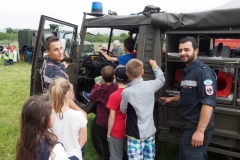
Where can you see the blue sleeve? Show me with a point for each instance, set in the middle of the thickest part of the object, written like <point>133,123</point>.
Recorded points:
<point>123,60</point>
<point>207,88</point>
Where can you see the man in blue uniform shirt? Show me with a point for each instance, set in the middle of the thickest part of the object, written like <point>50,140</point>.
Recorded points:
<point>196,102</point>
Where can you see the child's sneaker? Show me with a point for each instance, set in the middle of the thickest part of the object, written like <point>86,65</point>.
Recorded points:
<point>86,95</point>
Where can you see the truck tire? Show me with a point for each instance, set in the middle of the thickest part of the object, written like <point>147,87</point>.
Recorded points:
<point>94,137</point>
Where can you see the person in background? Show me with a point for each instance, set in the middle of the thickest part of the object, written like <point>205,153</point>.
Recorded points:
<point>104,47</point>
<point>36,140</point>
<point>1,52</point>
<point>6,57</point>
<point>22,51</point>
<point>117,50</point>
<point>196,102</point>
<point>9,47</point>
<point>116,120</point>
<point>15,54</point>
<point>34,40</point>
<point>138,102</point>
<point>29,53</point>
<point>10,60</point>
<point>70,125</point>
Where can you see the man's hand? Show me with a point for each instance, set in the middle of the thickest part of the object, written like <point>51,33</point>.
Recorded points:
<point>65,64</point>
<point>197,139</point>
<point>166,100</point>
<point>169,99</point>
<point>152,62</point>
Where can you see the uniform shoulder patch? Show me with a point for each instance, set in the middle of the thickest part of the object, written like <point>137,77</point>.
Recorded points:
<point>208,82</point>
<point>209,90</point>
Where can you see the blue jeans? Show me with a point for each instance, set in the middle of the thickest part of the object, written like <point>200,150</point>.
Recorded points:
<point>187,152</point>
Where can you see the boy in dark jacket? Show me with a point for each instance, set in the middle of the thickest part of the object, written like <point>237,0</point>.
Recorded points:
<point>100,94</point>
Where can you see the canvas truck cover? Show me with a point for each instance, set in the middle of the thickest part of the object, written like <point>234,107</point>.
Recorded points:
<point>197,20</point>
<point>118,21</point>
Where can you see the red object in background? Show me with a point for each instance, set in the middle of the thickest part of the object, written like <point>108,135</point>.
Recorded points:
<point>232,43</point>
<point>134,52</point>
<point>178,77</point>
<point>224,84</point>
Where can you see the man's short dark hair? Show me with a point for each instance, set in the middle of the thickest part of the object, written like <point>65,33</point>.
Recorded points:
<point>190,39</point>
<point>129,44</point>
<point>50,40</point>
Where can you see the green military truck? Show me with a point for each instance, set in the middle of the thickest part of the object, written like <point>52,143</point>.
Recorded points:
<point>25,38</point>
<point>151,29</point>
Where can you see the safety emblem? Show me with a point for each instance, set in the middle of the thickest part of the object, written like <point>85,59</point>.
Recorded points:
<point>208,82</point>
<point>209,90</point>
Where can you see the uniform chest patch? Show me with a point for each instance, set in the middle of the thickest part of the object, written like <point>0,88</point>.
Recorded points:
<point>209,90</point>
<point>208,82</point>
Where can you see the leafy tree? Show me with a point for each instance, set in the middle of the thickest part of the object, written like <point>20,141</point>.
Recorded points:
<point>9,30</point>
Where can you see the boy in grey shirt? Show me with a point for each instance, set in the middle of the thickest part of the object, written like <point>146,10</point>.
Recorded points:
<point>138,102</point>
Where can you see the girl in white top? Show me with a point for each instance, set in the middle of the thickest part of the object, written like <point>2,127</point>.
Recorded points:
<point>70,125</point>
<point>36,139</point>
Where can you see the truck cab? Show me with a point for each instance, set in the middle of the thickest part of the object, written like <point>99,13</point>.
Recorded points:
<point>157,34</point>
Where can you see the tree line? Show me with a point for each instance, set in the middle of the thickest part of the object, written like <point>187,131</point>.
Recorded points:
<point>9,35</point>
<point>105,38</point>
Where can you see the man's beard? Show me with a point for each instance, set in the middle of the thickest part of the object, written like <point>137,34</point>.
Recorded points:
<point>190,59</point>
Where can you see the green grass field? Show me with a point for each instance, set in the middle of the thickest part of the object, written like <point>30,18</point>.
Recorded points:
<point>14,90</point>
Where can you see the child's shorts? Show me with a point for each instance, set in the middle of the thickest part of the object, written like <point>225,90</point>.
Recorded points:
<point>141,149</point>
<point>116,147</point>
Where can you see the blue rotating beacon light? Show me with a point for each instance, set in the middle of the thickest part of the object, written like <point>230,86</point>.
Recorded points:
<point>97,7</point>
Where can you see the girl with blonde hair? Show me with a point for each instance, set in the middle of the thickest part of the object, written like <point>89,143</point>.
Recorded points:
<point>70,125</point>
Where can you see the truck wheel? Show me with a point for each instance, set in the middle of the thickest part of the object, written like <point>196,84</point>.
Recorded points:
<point>94,137</point>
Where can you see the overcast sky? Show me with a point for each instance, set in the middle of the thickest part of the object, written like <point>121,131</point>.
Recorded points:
<point>25,14</point>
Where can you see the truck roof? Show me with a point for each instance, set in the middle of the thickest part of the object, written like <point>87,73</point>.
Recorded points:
<point>195,20</point>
